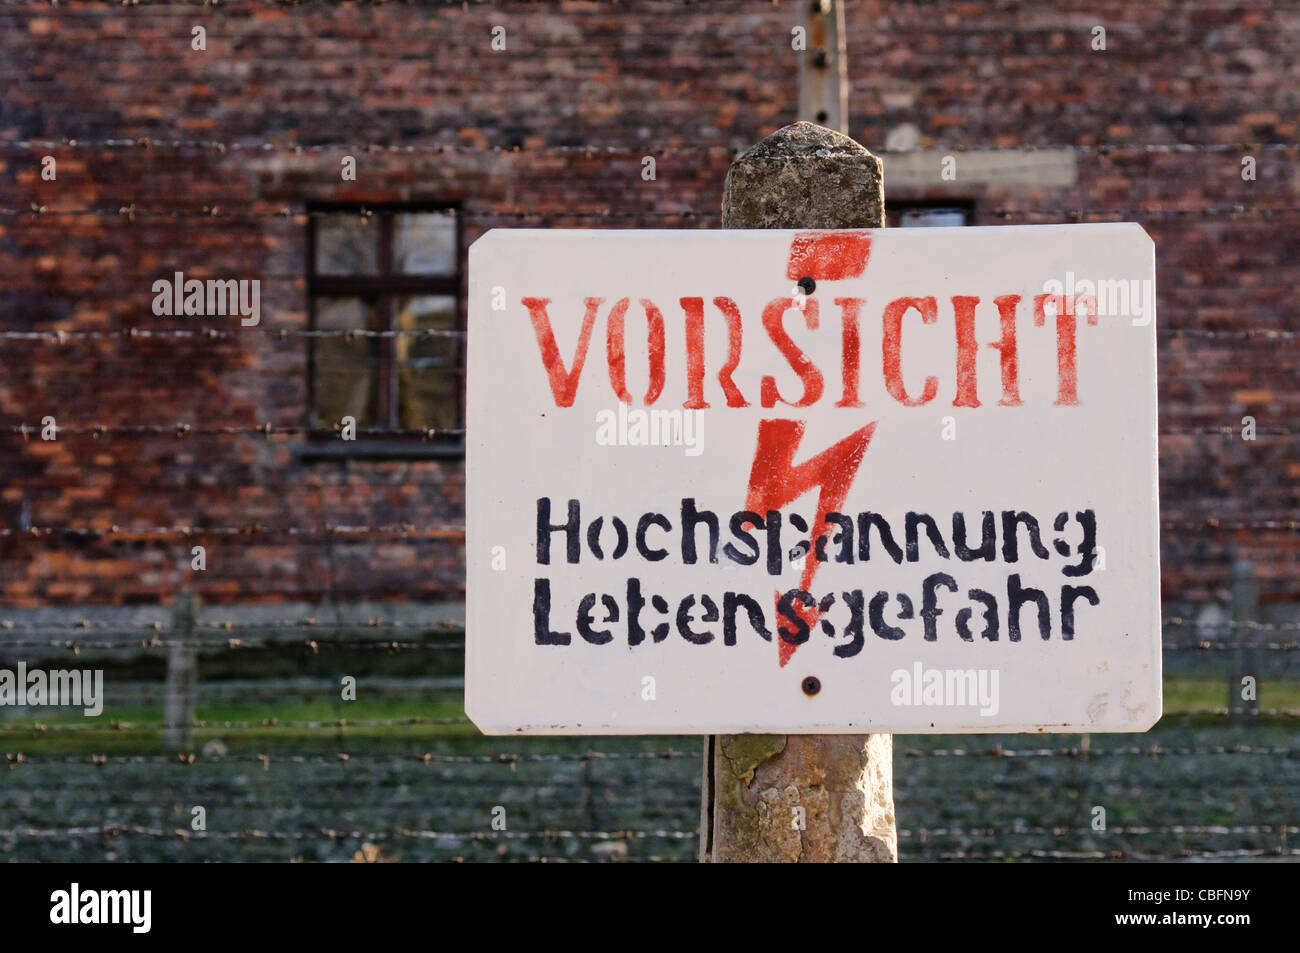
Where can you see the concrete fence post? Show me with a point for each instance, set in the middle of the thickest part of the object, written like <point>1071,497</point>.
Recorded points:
<point>1245,608</point>
<point>802,176</point>
<point>182,675</point>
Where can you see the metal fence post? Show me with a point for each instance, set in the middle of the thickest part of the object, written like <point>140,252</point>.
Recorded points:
<point>1245,609</point>
<point>823,67</point>
<point>182,675</point>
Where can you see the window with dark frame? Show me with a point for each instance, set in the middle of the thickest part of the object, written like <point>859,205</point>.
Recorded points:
<point>930,213</point>
<point>392,270</point>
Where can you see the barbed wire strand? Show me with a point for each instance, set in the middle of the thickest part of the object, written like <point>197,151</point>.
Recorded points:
<point>370,836</point>
<point>8,727</point>
<point>182,430</point>
<point>131,212</point>
<point>268,430</point>
<point>114,830</point>
<point>1215,830</point>
<point>611,149</point>
<point>1118,854</point>
<point>306,622</point>
<point>384,622</point>
<point>16,759</point>
<point>117,830</point>
<point>449,530</point>
<point>275,724</point>
<point>403,530</point>
<point>145,334</point>
<point>139,333</point>
<point>316,645</point>
<point>1151,751</point>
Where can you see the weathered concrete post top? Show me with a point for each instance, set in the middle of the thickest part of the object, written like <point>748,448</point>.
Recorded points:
<point>801,798</point>
<point>804,176</point>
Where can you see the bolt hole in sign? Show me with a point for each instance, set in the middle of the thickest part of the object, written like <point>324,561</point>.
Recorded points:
<point>921,498</point>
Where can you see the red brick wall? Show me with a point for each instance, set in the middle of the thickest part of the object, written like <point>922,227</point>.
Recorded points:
<point>685,84</point>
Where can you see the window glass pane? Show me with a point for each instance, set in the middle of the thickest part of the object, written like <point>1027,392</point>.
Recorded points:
<point>347,244</point>
<point>428,368</point>
<point>931,217</point>
<point>345,369</point>
<point>425,243</point>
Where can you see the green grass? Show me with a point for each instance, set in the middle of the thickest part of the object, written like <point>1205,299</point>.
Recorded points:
<point>124,730</point>
<point>1189,694</point>
<point>281,726</point>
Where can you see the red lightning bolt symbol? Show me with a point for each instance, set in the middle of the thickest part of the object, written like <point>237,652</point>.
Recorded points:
<point>774,479</point>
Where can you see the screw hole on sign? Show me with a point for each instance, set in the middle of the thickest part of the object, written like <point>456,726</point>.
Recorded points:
<point>811,685</point>
<point>807,285</point>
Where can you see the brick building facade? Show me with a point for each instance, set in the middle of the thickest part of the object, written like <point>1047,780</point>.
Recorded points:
<point>228,163</point>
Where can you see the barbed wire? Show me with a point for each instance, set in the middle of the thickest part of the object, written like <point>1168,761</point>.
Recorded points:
<point>1237,712</point>
<point>1063,831</point>
<point>1218,524</point>
<point>1225,431</point>
<point>924,6</point>
<point>7,727</point>
<point>236,4</point>
<point>269,724</point>
<point>143,333</point>
<point>551,859</point>
<point>990,790</point>
<point>398,833</point>
<point>1181,622</point>
<point>473,790</point>
<point>1078,214</point>
<point>610,150</point>
<point>314,645</point>
<point>132,333</point>
<point>402,530</point>
<point>117,830</point>
<point>1228,430</point>
<point>1152,751</point>
<point>667,791</point>
<point>445,530</point>
<point>1207,646</point>
<point>129,213</point>
<point>385,622</point>
<point>267,635</point>
<point>465,5</point>
<point>516,794</point>
<point>181,430</point>
<point>17,758</point>
<point>1264,334</point>
<point>1117,854</point>
<point>877,37</point>
<point>306,622</point>
<point>220,693</point>
<point>268,430</point>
